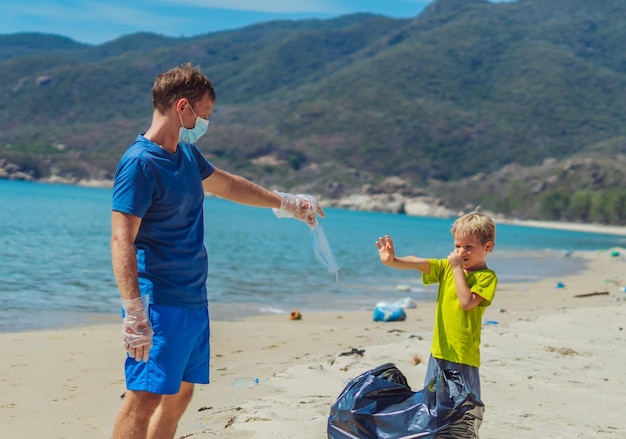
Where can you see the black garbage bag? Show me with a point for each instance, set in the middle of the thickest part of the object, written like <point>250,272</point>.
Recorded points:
<point>379,404</point>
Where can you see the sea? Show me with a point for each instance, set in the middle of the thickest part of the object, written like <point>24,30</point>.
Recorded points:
<point>55,260</point>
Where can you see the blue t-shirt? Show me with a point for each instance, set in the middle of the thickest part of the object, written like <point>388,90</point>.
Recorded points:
<point>165,190</point>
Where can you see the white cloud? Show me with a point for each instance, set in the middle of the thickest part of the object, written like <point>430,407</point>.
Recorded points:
<point>97,21</point>
<point>266,6</point>
<point>83,13</point>
<point>87,21</point>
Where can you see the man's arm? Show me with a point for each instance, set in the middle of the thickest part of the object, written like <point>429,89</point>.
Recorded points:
<point>238,189</point>
<point>124,229</point>
<point>136,330</point>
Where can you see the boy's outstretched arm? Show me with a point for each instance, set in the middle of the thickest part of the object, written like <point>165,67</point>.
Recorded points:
<point>388,257</point>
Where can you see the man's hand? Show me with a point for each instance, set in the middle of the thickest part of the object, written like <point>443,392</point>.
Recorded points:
<point>302,207</point>
<point>385,250</point>
<point>136,329</point>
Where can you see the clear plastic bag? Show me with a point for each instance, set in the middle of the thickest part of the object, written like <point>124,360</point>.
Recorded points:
<point>323,252</point>
<point>305,208</point>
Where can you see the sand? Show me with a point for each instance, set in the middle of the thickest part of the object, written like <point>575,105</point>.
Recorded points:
<point>552,367</point>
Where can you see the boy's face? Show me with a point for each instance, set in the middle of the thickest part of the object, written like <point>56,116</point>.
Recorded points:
<point>473,253</point>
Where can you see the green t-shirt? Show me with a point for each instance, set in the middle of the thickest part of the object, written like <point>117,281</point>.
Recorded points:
<point>456,334</point>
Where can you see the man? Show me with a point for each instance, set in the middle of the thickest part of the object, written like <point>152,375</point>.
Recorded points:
<point>158,253</point>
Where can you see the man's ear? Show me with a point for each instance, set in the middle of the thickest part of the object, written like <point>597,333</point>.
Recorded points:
<point>181,103</point>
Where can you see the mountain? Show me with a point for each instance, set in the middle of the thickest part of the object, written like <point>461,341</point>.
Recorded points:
<point>456,94</point>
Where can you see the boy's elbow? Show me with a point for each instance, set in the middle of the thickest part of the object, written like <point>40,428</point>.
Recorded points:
<point>472,303</point>
<point>467,306</point>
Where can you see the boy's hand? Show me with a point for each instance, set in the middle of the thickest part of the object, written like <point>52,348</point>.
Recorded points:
<point>455,259</point>
<point>385,250</point>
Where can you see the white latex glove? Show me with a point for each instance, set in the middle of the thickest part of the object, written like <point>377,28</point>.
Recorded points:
<point>303,207</point>
<point>136,329</point>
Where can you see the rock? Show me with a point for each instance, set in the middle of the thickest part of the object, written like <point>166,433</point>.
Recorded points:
<point>392,203</point>
<point>427,206</point>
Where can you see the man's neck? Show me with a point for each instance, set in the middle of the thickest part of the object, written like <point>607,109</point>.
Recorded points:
<point>163,132</point>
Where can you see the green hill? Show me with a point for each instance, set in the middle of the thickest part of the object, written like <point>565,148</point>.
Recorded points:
<point>460,93</point>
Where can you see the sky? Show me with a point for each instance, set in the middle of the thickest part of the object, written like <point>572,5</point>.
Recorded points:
<point>99,21</point>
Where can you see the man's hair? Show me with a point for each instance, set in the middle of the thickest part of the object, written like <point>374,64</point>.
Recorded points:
<point>184,81</point>
<point>477,225</point>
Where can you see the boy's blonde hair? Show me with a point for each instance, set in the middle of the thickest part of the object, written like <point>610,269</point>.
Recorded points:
<point>477,225</point>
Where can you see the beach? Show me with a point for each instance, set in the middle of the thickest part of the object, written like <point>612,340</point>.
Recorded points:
<point>552,367</point>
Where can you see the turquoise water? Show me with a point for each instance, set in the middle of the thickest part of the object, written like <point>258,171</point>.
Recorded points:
<point>55,265</point>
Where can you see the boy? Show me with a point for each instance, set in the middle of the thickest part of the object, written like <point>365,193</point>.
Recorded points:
<point>466,288</point>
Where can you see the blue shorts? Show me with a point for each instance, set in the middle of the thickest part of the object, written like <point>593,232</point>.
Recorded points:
<point>180,351</point>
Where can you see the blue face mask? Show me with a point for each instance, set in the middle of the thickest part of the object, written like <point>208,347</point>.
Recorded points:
<point>191,135</point>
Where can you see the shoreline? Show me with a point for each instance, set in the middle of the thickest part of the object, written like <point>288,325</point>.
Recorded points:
<point>418,206</point>
<point>544,352</point>
<point>575,227</point>
<point>224,312</point>
<point>395,292</point>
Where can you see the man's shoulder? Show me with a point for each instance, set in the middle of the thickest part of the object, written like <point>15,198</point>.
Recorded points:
<point>139,150</point>
<point>139,145</point>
